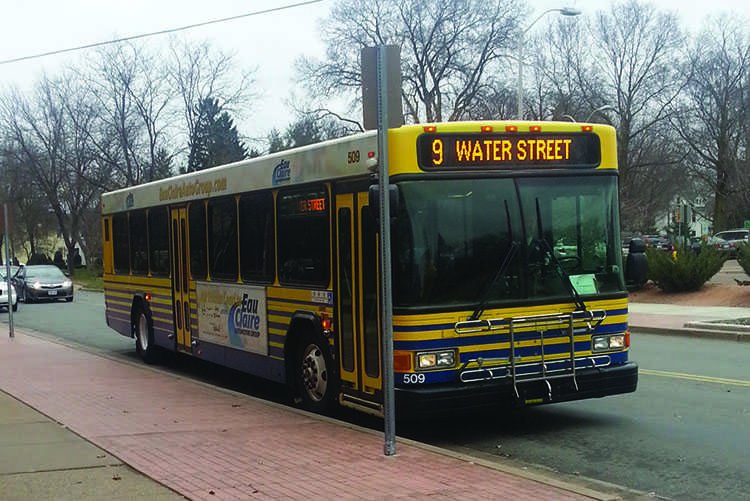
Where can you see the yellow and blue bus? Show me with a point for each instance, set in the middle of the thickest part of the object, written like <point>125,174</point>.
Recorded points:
<point>507,267</point>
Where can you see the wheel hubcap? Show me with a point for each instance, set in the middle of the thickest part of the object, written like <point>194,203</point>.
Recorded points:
<point>143,331</point>
<point>314,373</point>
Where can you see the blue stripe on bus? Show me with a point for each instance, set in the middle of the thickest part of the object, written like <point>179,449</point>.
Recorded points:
<point>526,351</point>
<point>432,377</point>
<point>281,313</point>
<point>273,299</point>
<point>494,338</point>
<point>496,323</point>
<point>278,326</point>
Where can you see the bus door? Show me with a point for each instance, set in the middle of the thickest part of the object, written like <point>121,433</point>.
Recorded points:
<point>180,286</point>
<point>357,284</point>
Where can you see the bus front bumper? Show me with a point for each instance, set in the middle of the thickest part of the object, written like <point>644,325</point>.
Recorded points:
<point>453,397</point>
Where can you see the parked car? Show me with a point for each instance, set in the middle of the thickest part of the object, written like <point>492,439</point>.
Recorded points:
<point>4,292</point>
<point>658,242</point>
<point>38,282</point>
<point>721,245</point>
<point>734,237</point>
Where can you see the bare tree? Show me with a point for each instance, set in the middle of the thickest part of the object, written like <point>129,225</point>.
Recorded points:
<point>567,85</point>
<point>29,210</point>
<point>715,118</point>
<point>48,143</point>
<point>636,58</point>
<point>132,98</point>
<point>449,51</point>
<point>199,72</point>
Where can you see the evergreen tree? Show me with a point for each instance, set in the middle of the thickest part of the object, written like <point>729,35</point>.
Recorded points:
<point>215,140</point>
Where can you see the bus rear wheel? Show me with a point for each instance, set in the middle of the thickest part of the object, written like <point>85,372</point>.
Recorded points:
<point>144,337</point>
<point>314,374</point>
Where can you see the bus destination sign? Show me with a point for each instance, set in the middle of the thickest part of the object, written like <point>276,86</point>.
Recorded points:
<point>457,151</point>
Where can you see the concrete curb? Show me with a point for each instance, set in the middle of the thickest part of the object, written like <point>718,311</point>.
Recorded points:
<point>701,329</point>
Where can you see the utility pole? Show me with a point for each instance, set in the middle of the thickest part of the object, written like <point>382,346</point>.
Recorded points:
<point>8,283</point>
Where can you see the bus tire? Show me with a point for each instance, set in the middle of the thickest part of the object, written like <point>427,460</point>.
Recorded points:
<point>314,374</point>
<point>144,337</point>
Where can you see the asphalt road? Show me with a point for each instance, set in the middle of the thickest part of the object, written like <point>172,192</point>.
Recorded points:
<point>685,434</point>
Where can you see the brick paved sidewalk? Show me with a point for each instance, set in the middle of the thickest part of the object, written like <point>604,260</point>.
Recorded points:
<point>207,443</point>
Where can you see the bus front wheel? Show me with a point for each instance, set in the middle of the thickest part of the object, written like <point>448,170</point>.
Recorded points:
<point>314,374</point>
<point>144,337</point>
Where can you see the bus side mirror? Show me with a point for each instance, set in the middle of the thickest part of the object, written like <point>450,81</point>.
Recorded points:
<point>374,193</point>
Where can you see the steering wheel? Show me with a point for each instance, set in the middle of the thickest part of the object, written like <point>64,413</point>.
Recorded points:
<point>569,262</point>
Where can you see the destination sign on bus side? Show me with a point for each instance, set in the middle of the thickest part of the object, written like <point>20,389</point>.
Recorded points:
<point>452,151</point>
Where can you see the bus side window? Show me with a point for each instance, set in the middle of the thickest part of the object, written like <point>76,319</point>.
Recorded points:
<point>222,237</point>
<point>257,249</point>
<point>121,243</point>
<point>158,241</point>
<point>138,243</point>
<point>304,242</point>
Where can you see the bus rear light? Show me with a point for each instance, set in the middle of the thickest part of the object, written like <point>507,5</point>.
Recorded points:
<point>587,128</point>
<point>326,322</point>
<point>372,161</point>
<point>535,128</point>
<point>401,361</point>
<point>486,128</point>
<point>148,297</point>
<point>430,128</point>
<point>511,128</point>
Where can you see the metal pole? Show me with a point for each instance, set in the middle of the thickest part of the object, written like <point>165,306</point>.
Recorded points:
<point>565,11</point>
<point>520,74</point>
<point>8,284</point>
<point>386,305</point>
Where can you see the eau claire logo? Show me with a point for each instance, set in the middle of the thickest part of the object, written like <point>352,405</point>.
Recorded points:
<point>244,320</point>
<point>282,173</point>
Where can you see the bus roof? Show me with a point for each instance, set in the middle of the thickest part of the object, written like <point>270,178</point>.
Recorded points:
<point>347,157</point>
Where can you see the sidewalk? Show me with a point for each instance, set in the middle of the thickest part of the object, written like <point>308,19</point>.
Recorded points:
<point>703,321</point>
<point>76,425</point>
<point>93,423</point>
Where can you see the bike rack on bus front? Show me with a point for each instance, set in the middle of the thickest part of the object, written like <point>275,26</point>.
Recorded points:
<point>573,323</point>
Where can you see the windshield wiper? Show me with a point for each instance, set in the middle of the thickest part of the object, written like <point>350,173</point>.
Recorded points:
<point>500,272</point>
<point>547,248</point>
<point>484,296</point>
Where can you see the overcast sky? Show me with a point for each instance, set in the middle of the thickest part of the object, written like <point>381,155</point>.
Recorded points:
<point>270,42</point>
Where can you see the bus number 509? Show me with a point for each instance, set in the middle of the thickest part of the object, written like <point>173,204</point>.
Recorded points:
<point>414,378</point>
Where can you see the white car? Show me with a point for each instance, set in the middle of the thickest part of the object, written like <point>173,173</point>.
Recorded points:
<point>4,293</point>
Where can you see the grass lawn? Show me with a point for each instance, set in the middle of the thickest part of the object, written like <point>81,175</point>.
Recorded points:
<point>88,279</point>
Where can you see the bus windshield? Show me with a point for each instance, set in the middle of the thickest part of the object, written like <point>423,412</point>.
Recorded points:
<point>461,242</point>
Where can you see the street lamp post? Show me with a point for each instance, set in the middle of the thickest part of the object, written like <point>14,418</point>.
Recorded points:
<point>606,107</point>
<point>566,11</point>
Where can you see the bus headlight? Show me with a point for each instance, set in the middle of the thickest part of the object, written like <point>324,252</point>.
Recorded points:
<point>442,359</point>
<point>609,342</point>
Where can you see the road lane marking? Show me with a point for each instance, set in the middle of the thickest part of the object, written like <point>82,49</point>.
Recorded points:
<point>695,377</point>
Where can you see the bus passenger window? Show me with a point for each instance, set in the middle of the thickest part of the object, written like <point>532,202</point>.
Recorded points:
<point>121,243</point>
<point>257,249</point>
<point>222,237</point>
<point>158,241</point>
<point>138,243</point>
<point>304,242</point>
